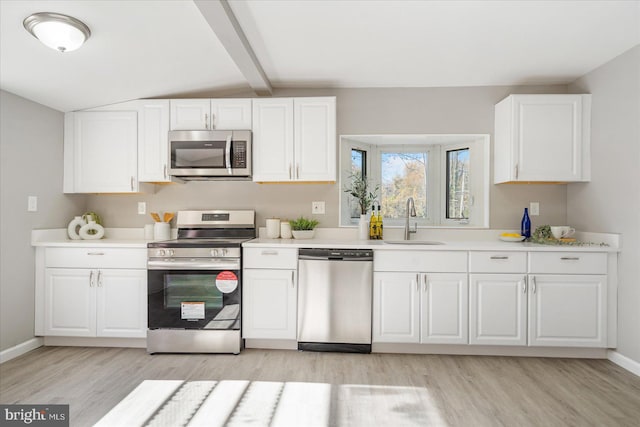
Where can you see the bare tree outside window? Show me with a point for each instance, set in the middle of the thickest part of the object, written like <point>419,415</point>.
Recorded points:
<point>458,194</point>
<point>404,175</point>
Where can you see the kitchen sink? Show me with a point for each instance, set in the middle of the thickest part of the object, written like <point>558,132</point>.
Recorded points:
<point>413,242</point>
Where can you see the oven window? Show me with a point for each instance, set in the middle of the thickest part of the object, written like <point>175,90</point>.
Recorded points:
<point>208,157</point>
<point>181,288</point>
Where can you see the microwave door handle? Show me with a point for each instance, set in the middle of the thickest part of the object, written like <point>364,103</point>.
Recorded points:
<point>228,154</point>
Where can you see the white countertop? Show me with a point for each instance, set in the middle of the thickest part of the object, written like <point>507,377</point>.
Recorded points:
<point>478,240</point>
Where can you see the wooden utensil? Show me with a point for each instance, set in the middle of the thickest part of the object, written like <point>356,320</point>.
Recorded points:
<point>155,217</point>
<point>168,216</point>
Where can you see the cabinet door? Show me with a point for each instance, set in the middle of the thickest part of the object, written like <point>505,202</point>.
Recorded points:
<point>121,303</point>
<point>548,137</point>
<point>443,309</point>
<point>269,302</point>
<point>567,310</point>
<point>70,302</point>
<point>315,138</point>
<point>231,114</point>
<point>498,309</point>
<point>396,307</point>
<point>153,140</point>
<point>273,139</point>
<point>190,114</point>
<point>104,152</point>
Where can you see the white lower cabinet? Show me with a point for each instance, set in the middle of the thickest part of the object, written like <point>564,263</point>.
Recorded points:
<point>497,309</point>
<point>269,304</point>
<point>420,308</point>
<point>567,310</point>
<point>95,302</point>
<point>270,293</point>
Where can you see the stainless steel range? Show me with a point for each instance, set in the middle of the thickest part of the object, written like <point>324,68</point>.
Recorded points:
<point>195,283</point>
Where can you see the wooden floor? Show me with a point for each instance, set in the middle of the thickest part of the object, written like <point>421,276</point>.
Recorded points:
<point>373,389</point>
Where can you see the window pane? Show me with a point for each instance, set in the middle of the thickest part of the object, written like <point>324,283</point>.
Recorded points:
<point>403,175</point>
<point>358,168</point>
<point>458,184</point>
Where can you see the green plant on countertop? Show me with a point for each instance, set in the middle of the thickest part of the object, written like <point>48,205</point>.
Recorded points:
<point>542,235</point>
<point>360,190</point>
<point>303,223</point>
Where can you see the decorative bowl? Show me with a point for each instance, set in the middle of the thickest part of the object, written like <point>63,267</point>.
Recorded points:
<point>303,234</point>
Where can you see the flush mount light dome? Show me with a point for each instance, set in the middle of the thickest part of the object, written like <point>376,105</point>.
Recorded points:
<point>60,32</point>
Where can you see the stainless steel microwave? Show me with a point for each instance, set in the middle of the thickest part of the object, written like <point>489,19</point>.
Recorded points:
<point>210,154</point>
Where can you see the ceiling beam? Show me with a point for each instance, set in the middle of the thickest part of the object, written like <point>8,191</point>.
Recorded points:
<point>224,24</point>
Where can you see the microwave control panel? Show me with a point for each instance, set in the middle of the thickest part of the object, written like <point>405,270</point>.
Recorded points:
<point>239,154</point>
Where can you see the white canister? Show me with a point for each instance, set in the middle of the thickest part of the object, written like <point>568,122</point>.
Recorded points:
<point>148,232</point>
<point>285,230</point>
<point>273,228</point>
<point>161,231</point>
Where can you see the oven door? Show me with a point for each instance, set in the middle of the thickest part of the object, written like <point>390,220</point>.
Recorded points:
<point>194,298</point>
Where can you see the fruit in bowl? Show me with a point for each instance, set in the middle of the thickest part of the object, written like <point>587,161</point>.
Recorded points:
<point>511,237</point>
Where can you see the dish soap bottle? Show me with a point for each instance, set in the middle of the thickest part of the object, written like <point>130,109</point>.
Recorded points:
<point>525,225</point>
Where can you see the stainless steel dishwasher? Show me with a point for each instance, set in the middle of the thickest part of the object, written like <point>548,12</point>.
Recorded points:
<point>334,300</point>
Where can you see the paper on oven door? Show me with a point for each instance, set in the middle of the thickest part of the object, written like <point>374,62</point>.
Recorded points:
<point>192,310</point>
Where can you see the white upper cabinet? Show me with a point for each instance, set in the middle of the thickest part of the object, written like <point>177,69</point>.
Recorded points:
<point>294,139</point>
<point>542,138</point>
<point>100,152</point>
<point>206,114</point>
<point>153,140</point>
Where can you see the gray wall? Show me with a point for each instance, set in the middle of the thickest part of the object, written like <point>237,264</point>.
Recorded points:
<point>31,165</point>
<point>359,111</point>
<point>611,201</point>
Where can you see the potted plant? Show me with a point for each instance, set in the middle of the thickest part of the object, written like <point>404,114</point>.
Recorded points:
<point>360,191</point>
<point>303,228</point>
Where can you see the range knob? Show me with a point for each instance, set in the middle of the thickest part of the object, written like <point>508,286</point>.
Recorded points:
<point>214,252</point>
<point>160,252</point>
<point>224,252</point>
<point>170,252</point>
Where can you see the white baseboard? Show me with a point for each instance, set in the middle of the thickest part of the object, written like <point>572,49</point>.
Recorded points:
<point>20,349</point>
<point>624,362</point>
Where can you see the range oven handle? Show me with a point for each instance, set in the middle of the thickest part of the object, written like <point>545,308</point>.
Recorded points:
<point>193,265</point>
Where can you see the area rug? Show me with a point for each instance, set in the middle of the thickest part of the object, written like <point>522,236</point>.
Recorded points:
<point>262,403</point>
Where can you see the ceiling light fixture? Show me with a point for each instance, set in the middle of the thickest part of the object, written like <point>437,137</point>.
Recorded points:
<point>60,32</point>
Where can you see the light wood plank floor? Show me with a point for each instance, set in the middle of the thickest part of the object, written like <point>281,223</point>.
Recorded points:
<point>414,389</point>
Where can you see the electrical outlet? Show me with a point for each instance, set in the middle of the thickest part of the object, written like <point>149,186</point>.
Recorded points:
<point>142,208</point>
<point>317,208</point>
<point>534,208</point>
<point>32,204</point>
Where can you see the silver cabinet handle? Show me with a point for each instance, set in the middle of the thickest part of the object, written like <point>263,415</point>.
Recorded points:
<point>267,252</point>
<point>289,170</point>
<point>424,278</point>
<point>524,285</point>
<point>418,282</point>
<point>297,171</point>
<point>516,171</point>
<point>292,277</point>
<point>206,121</point>
<point>533,282</point>
<point>95,253</point>
<point>165,171</point>
<point>132,183</point>
<point>570,258</point>
<point>100,278</point>
<point>499,257</point>
<point>91,279</point>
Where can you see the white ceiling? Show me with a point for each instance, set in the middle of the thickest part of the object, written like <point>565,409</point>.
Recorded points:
<point>162,48</point>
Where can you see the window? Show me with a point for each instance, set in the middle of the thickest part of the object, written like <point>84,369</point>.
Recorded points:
<point>447,176</point>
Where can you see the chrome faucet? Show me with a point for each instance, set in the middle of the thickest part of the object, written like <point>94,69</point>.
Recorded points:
<point>411,211</point>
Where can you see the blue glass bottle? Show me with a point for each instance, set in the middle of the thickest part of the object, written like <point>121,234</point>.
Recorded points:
<point>525,225</point>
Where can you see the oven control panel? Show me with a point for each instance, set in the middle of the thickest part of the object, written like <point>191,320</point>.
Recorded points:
<point>194,252</point>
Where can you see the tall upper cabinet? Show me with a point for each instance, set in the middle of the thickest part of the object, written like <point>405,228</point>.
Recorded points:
<point>542,138</point>
<point>294,139</point>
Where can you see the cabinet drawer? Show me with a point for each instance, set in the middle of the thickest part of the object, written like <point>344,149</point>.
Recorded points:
<point>270,258</point>
<point>420,261</point>
<point>498,262</point>
<point>568,262</point>
<point>96,258</point>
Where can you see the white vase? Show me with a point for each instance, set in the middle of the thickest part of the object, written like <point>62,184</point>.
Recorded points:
<point>303,234</point>
<point>74,226</point>
<point>363,227</point>
<point>97,229</point>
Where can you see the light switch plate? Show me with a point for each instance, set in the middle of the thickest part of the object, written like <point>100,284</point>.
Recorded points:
<point>32,204</point>
<point>534,208</point>
<point>317,208</point>
<point>142,208</point>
